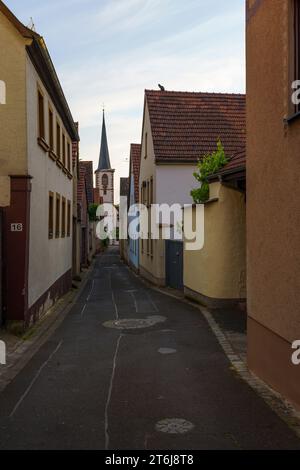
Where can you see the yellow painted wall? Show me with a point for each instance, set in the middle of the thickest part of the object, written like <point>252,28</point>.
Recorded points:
<point>4,191</point>
<point>273,195</point>
<point>13,126</point>
<point>273,168</point>
<point>218,270</point>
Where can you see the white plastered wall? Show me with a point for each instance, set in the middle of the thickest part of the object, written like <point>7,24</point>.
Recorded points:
<point>49,260</point>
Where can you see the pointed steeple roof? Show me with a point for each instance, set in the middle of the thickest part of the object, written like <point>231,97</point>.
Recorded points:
<point>104,161</point>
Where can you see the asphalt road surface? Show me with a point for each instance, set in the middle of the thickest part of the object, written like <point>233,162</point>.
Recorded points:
<point>162,382</point>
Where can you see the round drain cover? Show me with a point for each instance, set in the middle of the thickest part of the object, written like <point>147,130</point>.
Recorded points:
<point>174,426</point>
<point>134,323</point>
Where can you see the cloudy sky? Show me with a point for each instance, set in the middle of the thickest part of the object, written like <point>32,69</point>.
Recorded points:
<point>109,51</point>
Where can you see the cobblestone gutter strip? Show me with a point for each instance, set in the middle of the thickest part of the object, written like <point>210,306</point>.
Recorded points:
<point>274,400</point>
<point>24,349</point>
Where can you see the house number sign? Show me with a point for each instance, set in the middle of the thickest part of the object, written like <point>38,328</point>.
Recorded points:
<point>16,227</point>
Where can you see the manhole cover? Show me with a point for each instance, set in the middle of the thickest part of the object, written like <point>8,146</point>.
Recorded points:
<point>167,351</point>
<point>134,323</point>
<point>174,426</point>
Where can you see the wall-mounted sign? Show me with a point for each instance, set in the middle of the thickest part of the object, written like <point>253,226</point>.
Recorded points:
<point>2,92</point>
<point>16,228</point>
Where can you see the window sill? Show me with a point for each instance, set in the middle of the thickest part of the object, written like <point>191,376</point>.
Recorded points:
<point>59,163</point>
<point>52,155</point>
<point>43,144</point>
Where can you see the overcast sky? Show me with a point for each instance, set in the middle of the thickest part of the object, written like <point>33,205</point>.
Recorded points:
<point>109,51</point>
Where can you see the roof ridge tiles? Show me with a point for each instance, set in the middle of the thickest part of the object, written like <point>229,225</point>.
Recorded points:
<point>211,93</point>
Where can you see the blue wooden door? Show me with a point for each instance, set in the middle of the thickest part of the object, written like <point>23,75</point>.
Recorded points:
<point>174,264</point>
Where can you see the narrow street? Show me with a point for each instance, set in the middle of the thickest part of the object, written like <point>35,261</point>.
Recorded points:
<point>92,386</point>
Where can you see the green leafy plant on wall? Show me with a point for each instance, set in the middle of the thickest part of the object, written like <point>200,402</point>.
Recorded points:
<point>207,166</point>
<point>93,212</point>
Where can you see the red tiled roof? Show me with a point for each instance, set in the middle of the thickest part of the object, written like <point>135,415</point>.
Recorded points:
<point>186,125</point>
<point>96,196</point>
<point>89,180</point>
<point>135,164</point>
<point>74,153</point>
<point>236,166</point>
<point>81,185</point>
<point>236,162</point>
<point>75,148</point>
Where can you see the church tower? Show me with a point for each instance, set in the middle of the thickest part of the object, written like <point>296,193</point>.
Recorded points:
<point>104,172</point>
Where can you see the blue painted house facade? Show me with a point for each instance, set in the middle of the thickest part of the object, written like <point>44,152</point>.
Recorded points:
<point>134,176</point>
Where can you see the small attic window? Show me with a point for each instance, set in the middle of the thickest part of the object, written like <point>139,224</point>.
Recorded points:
<point>146,145</point>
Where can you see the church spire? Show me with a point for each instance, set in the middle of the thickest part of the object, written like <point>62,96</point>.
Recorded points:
<point>104,161</point>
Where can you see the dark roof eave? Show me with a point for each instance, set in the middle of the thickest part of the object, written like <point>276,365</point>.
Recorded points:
<point>41,60</point>
<point>223,174</point>
<point>175,161</point>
